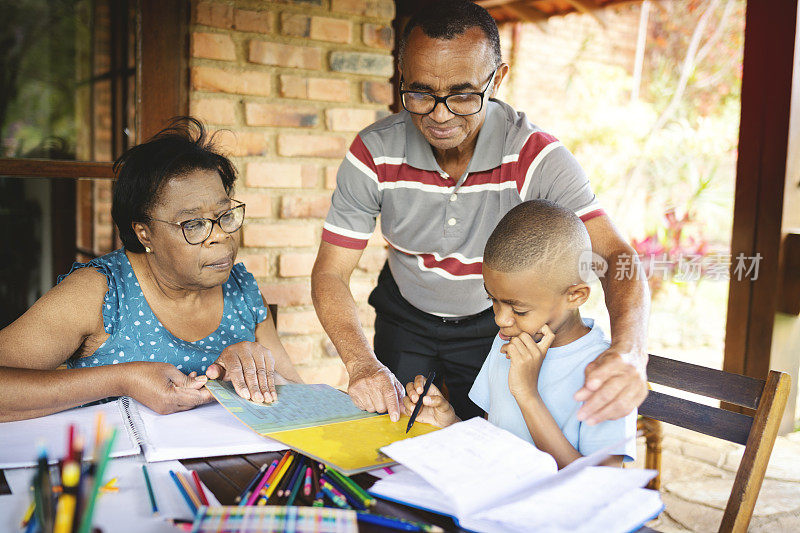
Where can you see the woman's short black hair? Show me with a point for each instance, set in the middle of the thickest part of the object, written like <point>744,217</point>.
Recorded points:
<point>179,149</point>
<point>447,19</point>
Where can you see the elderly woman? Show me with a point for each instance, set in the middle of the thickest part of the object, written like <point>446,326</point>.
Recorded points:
<point>157,318</point>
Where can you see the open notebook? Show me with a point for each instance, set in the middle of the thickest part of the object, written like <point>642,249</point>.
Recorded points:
<point>490,480</point>
<point>320,422</point>
<point>204,431</point>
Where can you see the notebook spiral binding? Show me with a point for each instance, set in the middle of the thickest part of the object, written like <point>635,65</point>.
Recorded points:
<point>135,426</point>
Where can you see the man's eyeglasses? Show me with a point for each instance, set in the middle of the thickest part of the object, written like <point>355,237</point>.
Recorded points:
<point>462,104</point>
<point>197,230</point>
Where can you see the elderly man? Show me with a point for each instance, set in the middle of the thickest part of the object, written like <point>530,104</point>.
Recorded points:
<point>441,174</point>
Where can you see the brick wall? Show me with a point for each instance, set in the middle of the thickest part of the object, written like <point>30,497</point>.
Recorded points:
<point>292,82</point>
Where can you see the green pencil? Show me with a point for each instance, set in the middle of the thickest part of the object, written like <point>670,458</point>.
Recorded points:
<point>360,493</point>
<point>150,490</point>
<point>86,522</point>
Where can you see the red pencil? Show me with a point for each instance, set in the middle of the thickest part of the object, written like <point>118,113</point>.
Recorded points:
<point>200,490</point>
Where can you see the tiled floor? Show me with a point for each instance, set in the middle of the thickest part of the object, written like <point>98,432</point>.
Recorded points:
<point>697,476</point>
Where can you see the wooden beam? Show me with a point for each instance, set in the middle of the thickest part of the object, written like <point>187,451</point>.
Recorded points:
<point>48,168</point>
<point>588,7</point>
<point>162,74</point>
<point>526,12</point>
<point>769,45</point>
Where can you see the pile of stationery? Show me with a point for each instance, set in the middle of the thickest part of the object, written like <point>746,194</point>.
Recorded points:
<point>292,481</point>
<point>64,497</point>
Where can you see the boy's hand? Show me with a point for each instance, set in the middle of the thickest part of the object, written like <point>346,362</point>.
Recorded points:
<point>526,356</point>
<point>435,409</point>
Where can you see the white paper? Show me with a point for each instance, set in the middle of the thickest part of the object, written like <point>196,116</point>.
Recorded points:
<point>205,431</point>
<point>126,511</point>
<point>20,440</point>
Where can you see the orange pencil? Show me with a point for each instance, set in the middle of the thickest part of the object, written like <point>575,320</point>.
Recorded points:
<point>200,491</point>
<point>274,483</point>
<point>271,477</point>
<point>189,491</point>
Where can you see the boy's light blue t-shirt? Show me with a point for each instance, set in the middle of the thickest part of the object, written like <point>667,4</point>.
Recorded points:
<point>560,377</point>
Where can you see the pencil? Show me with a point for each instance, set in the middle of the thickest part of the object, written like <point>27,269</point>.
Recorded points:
<point>298,482</point>
<point>183,492</point>
<point>254,495</point>
<point>200,491</point>
<point>150,490</point>
<point>307,482</point>
<point>186,485</point>
<point>356,489</point>
<point>415,412</point>
<point>252,483</point>
<point>353,499</point>
<point>28,514</point>
<point>299,466</point>
<point>277,478</point>
<point>86,522</point>
<point>288,476</point>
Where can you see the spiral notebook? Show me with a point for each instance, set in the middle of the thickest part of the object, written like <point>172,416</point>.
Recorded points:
<point>204,431</point>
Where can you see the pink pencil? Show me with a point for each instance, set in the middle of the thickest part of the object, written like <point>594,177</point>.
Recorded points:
<point>261,483</point>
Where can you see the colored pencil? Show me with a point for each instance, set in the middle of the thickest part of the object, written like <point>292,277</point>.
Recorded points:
<point>67,502</point>
<point>254,495</point>
<point>352,499</point>
<point>288,477</point>
<point>347,482</point>
<point>339,501</point>
<point>150,490</point>
<point>415,412</point>
<point>86,521</point>
<point>252,483</point>
<point>397,523</point>
<point>298,482</point>
<point>277,478</point>
<point>200,492</point>
<point>307,482</point>
<point>300,466</point>
<point>183,492</point>
<point>189,490</point>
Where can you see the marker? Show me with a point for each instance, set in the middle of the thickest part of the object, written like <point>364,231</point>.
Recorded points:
<point>397,523</point>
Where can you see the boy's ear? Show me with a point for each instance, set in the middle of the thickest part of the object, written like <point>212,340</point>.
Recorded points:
<point>577,295</point>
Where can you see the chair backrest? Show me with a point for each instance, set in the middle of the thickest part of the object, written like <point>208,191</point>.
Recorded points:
<point>757,431</point>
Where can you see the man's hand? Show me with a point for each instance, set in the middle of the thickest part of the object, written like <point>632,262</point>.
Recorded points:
<point>435,409</point>
<point>163,388</point>
<point>374,388</point>
<point>614,386</point>
<point>526,356</point>
<point>250,368</point>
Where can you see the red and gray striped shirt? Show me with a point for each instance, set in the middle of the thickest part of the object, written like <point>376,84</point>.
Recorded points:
<point>436,225</point>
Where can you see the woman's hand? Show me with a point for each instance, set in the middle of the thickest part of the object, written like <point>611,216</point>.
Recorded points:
<point>435,409</point>
<point>163,388</point>
<point>250,368</point>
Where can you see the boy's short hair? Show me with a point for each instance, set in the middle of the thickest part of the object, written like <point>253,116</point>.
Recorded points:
<point>541,235</point>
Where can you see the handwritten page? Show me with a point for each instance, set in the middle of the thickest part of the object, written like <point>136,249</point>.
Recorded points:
<point>455,459</point>
<point>297,406</point>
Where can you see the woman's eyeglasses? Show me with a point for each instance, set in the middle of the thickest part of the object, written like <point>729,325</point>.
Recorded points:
<point>197,230</point>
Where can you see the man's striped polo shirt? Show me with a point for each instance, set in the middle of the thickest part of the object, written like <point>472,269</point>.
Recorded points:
<point>436,225</point>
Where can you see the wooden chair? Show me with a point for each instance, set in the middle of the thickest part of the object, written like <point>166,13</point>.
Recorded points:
<point>757,431</point>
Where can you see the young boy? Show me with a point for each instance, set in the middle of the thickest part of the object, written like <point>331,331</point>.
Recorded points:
<point>536,364</point>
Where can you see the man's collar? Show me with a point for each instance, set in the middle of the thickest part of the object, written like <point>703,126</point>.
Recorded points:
<point>488,149</point>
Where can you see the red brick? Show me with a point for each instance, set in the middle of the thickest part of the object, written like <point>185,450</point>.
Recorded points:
<point>214,110</point>
<point>212,14</point>
<point>299,322</point>
<point>378,36</point>
<point>285,55</point>
<point>305,206</point>
<point>256,264</point>
<point>295,24</point>
<point>310,176</point>
<point>377,92</point>
<point>300,349</point>
<point>331,29</point>
<point>349,119</point>
<point>330,177</point>
<point>328,371</point>
<point>259,204</point>
<point>278,235</point>
<point>327,89</point>
<point>242,143</point>
<point>253,21</point>
<point>288,294</point>
<point>258,114</point>
<point>213,46</point>
<point>269,174</point>
<point>311,145</point>
<point>231,81</point>
<point>362,63</point>
<point>296,264</point>
<point>371,8</point>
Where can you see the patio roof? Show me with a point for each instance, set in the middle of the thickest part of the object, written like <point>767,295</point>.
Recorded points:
<point>540,10</point>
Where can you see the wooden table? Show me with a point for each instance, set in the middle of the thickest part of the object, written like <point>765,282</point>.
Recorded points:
<point>227,477</point>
